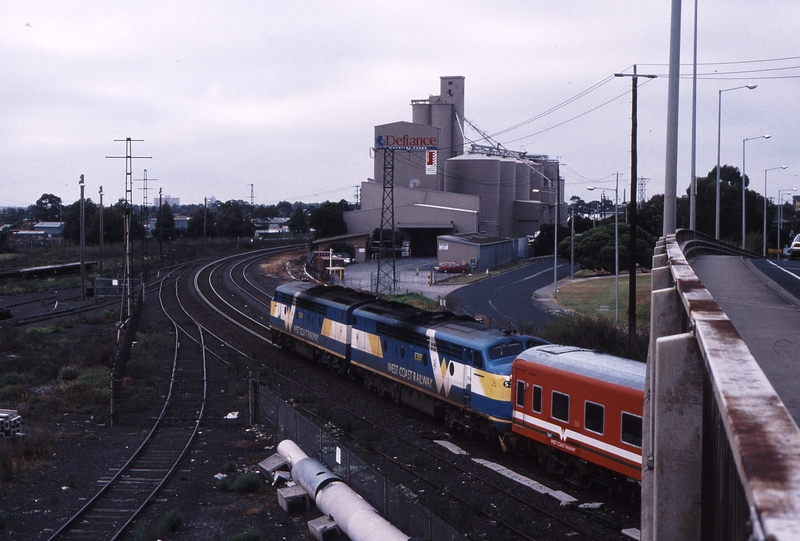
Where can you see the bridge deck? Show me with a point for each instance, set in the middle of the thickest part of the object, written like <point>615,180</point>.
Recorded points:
<point>769,323</point>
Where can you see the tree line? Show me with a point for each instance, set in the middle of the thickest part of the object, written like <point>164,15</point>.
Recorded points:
<point>227,219</point>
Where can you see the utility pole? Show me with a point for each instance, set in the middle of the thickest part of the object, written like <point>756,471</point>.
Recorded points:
<point>127,302</point>
<point>145,215</point>
<point>632,203</point>
<point>160,225</point>
<point>101,232</point>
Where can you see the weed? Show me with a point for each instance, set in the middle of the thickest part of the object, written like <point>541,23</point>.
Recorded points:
<point>68,373</point>
<point>229,466</point>
<point>171,522</point>
<point>19,455</point>
<point>248,482</point>
<point>224,484</point>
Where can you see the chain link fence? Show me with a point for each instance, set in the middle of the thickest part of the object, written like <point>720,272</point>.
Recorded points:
<point>395,502</point>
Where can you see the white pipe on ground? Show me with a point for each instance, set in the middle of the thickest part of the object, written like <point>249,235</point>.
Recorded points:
<point>356,518</point>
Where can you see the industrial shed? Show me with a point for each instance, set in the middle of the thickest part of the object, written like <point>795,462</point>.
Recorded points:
<point>477,250</point>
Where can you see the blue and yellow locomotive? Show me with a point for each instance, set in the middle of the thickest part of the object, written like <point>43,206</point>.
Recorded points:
<point>449,366</point>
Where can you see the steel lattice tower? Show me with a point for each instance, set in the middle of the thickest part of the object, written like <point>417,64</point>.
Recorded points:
<point>387,274</point>
<point>641,196</point>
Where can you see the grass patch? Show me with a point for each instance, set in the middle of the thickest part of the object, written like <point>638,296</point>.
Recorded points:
<point>249,535</point>
<point>418,300</point>
<point>596,297</point>
<point>21,455</point>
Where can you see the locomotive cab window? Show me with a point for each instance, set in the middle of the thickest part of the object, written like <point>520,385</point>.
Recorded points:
<point>521,394</point>
<point>594,417</point>
<point>560,406</point>
<point>632,429</point>
<point>475,358</point>
<point>537,399</point>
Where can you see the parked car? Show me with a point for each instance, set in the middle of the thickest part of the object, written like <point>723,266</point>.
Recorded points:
<point>794,248</point>
<point>450,266</point>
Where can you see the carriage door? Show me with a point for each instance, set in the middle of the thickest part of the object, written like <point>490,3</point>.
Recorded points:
<point>469,359</point>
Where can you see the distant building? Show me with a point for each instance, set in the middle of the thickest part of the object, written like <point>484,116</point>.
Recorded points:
<point>49,229</point>
<point>166,200</point>
<point>441,190</point>
<point>181,222</point>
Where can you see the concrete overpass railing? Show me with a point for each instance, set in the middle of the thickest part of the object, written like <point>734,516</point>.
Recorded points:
<point>721,452</point>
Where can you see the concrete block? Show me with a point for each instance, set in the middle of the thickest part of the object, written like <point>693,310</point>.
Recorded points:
<point>324,528</point>
<point>273,463</point>
<point>293,498</point>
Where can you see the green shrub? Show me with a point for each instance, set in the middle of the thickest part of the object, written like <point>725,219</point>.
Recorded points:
<point>68,373</point>
<point>229,466</point>
<point>248,482</point>
<point>171,522</point>
<point>595,333</point>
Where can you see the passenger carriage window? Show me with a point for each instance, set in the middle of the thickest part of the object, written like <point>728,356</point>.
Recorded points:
<point>594,417</point>
<point>632,429</point>
<point>560,409</point>
<point>521,394</point>
<point>537,399</point>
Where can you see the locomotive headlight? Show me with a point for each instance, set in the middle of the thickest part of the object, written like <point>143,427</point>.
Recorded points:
<point>507,384</point>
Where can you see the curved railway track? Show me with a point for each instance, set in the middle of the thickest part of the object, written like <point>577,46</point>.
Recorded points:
<point>226,300</point>
<point>123,497</point>
<point>234,297</point>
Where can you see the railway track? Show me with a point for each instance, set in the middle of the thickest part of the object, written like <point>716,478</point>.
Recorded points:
<point>126,493</point>
<point>218,304</point>
<point>234,297</point>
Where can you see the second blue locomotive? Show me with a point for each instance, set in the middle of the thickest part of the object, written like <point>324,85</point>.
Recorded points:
<point>449,366</point>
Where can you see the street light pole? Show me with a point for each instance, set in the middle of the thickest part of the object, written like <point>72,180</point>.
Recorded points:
<point>780,216</point>
<point>101,231</point>
<point>719,139</point>
<point>764,235</point>
<point>83,246</point>
<point>744,176</point>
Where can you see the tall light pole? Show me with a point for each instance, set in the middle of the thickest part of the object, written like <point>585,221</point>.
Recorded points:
<point>83,245</point>
<point>744,176</point>
<point>101,231</point>
<point>719,140</point>
<point>764,235</point>
<point>616,248</point>
<point>780,215</point>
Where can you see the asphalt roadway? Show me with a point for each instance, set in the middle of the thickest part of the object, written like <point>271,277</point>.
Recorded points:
<point>522,294</point>
<point>765,314</point>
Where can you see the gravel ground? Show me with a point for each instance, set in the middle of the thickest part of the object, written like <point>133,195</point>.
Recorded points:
<point>89,448</point>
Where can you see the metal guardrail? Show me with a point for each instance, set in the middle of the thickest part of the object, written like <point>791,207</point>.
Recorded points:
<point>722,453</point>
<point>694,243</point>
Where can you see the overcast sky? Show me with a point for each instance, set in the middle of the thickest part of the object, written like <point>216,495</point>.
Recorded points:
<point>285,95</point>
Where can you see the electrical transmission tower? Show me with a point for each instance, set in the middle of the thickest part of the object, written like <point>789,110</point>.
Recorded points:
<point>641,196</point>
<point>387,267</point>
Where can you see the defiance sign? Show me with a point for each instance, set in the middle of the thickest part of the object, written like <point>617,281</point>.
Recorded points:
<point>405,142</point>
